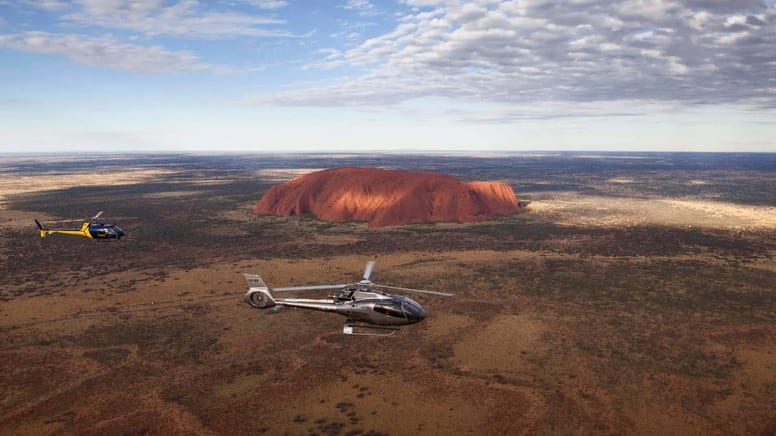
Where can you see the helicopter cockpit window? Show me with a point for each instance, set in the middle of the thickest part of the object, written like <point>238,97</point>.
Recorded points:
<point>389,309</point>
<point>412,310</point>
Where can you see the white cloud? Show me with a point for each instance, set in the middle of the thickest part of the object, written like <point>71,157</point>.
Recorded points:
<point>178,18</point>
<point>268,4</point>
<point>52,5</point>
<point>108,52</point>
<point>363,7</point>
<point>521,52</point>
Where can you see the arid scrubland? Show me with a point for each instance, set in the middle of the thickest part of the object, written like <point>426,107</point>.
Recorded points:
<point>635,296</point>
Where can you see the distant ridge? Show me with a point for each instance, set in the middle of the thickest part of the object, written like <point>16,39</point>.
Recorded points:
<point>388,197</point>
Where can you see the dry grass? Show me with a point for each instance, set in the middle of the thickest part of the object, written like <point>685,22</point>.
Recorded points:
<point>571,209</point>
<point>22,184</point>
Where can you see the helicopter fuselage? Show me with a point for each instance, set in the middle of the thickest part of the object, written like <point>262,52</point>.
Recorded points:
<point>87,230</point>
<point>370,311</point>
<point>369,307</point>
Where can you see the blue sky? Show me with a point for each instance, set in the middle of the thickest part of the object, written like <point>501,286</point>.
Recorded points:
<point>361,75</point>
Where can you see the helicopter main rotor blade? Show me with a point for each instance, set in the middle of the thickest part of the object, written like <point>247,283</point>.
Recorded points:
<point>368,271</point>
<point>422,291</point>
<point>97,216</point>
<point>309,288</point>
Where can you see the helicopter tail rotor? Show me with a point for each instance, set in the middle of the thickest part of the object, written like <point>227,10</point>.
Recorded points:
<point>259,295</point>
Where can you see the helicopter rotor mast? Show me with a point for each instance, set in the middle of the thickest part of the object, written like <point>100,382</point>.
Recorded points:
<point>368,270</point>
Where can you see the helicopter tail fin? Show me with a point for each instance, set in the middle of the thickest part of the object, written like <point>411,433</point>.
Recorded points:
<point>259,294</point>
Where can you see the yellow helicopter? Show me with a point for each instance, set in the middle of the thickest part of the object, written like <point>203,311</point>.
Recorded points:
<point>92,229</point>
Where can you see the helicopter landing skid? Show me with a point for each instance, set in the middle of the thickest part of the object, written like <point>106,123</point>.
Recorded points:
<point>351,328</point>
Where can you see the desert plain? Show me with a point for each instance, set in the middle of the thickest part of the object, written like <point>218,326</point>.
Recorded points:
<point>636,295</point>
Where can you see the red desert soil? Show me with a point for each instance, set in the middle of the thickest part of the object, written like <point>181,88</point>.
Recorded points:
<point>388,197</point>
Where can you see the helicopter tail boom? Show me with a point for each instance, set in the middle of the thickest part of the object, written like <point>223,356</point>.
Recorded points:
<point>259,295</point>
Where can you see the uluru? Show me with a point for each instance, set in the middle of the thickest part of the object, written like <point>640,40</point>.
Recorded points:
<point>388,197</point>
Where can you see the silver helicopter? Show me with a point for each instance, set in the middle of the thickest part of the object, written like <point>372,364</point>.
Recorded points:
<point>369,310</point>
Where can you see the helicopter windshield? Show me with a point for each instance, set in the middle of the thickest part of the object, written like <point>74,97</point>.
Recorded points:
<point>412,310</point>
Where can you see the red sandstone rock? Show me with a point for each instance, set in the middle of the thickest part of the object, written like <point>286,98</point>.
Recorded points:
<point>387,197</point>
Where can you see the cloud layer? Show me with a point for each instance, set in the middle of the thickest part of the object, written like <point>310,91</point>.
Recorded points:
<point>513,54</point>
<point>516,52</point>
<point>142,20</point>
<point>180,18</point>
<point>103,51</point>
<point>108,52</point>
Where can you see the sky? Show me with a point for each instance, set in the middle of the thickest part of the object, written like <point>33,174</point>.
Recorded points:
<point>369,75</point>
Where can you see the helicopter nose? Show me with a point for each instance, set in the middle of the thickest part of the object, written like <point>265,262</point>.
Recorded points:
<point>418,317</point>
<point>413,311</point>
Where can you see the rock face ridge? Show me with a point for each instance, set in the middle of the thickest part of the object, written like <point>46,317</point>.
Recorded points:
<point>387,197</point>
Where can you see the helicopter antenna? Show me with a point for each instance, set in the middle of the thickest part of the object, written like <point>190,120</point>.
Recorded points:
<point>368,271</point>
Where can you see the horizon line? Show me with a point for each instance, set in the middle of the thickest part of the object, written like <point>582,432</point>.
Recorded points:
<point>361,152</point>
